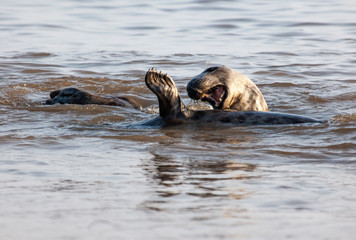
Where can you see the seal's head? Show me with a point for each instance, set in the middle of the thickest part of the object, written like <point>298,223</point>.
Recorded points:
<point>225,88</point>
<point>69,96</point>
<point>210,86</point>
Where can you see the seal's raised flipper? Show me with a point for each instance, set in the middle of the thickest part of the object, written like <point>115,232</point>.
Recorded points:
<point>170,104</point>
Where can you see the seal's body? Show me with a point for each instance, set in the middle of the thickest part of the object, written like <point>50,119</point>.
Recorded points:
<point>173,110</point>
<point>235,98</point>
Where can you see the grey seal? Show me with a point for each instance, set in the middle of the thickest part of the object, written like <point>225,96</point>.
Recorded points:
<point>221,86</point>
<point>172,109</point>
<point>76,96</point>
<point>225,88</point>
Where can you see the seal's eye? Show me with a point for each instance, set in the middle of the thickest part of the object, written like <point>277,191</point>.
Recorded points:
<point>211,69</point>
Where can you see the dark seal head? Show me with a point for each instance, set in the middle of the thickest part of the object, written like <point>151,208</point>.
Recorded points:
<point>76,96</point>
<point>225,88</point>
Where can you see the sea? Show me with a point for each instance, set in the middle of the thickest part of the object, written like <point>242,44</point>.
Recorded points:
<point>72,172</point>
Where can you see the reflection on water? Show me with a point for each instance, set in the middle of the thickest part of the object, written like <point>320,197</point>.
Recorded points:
<point>94,172</point>
<point>203,175</point>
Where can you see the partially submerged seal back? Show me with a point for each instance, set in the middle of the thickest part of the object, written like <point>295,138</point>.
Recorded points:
<point>225,88</point>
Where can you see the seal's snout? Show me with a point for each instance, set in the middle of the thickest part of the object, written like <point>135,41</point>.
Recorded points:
<point>193,92</point>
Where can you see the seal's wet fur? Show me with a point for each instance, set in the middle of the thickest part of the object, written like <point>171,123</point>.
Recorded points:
<point>76,96</point>
<point>236,91</point>
<point>173,110</point>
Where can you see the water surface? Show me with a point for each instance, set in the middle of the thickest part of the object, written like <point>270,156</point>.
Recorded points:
<point>75,172</point>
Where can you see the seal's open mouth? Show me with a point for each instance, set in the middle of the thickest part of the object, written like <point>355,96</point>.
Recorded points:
<point>215,96</point>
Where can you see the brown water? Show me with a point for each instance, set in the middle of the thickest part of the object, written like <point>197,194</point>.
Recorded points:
<point>91,172</point>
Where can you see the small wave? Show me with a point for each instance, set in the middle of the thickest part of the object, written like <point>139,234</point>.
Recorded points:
<point>316,99</point>
<point>345,97</point>
<point>309,24</point>
<point>139,28</point>
<point>341,146</point>
<point>279,53</point>
<point>223,26</point>
<point>278,73</point>
<point>37,71</point>
<point>34,55</point>
<point>279,85</point>
<point>239,20</point>
<point>294,65</point>
<point>344,118</point>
